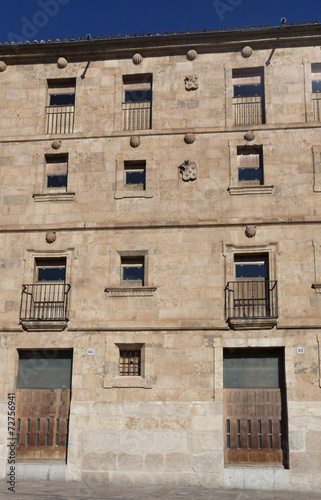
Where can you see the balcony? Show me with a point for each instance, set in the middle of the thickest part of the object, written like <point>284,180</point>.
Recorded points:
<point>44,306</point>
<point>60,119</point>
<point>248,110</point>
<point>251,304</point>
<point>137,115</point>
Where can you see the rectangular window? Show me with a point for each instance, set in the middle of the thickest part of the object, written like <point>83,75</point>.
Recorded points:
<point>137,102</point>
<point>248,90</point>
<point>316,90</point>
<point>251,266</point>
<point>132,270</point>
<point>135,174</point>
<point>250,165</point>
<point>56,171</point>
<point>251,292</point>
<point>248,96</point>
<point>50,270</point>
<point>61,106</point>
<point>130,361</point>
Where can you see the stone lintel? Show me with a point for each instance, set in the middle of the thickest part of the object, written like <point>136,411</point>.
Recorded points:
<point>249,190</point>
<point>141,291</point>
<point>53,197</point>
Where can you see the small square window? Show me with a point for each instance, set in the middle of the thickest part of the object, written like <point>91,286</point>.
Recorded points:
<point>135,174</point>
<point>56,171</point>
<point>132,270</point>
<point>250,165</point>
<point>62,92</point>
<point>130,361</point>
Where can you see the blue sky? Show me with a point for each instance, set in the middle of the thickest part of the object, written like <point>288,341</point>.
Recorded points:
<point>51,19</point>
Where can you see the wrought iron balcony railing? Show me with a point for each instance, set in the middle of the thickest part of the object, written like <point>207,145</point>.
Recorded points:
<point>248,110</point>
<point>60,119</point>
<point>251,299</point>
<point>316,106</point>
<point>44,302</point>
<point>137,115</point>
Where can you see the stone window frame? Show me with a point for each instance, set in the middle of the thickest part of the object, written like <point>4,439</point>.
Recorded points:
<point>235,189</point>
<point>31,255</point>
<point>51,159</point>
<point>269,249</point>
<point>124,347</point>
<point>30,275</point>
<point>112,378</point>
<point>60,84</point>
<point>125,191</point>
<point>55,195</point>
<point>316,153</point>
<point>246,65</point>
<point>136,82</point>
<point>123,289</point>
<point>308,101</point>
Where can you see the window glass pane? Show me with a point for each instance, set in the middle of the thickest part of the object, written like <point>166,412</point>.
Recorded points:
<point>254,89</point>
<point>250,174</point>
<point>135,177</point>
<point>138,95</point>
<point>44,369</point>
<point>51,273</point>
<point>133,273</point>
<point>57,181</point>
<point>251,370</point>
<point>316,86</point>
<point>62,100</point>
<point>251,270</point>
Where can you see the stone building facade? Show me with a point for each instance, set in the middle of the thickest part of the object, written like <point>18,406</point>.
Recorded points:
<point>161,258</point>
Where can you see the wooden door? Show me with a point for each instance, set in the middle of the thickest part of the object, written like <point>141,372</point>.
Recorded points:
<point>42,424</point>
<point>253,426</point>
<point>255,415</point>
<point>43,404</point>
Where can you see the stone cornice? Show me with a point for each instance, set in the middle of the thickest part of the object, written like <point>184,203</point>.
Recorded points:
<point>162,224</point>
<point>161,132</point>
<point>113,47</point>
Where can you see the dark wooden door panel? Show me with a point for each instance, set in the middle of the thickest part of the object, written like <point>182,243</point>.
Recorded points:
<point>253,426</point>
<point>42,424</point>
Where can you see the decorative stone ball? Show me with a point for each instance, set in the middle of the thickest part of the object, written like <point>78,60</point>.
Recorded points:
<point>137,58</point>
<point>191,55</point>
<point>250,231</point>
<point>56,144</point>
<point>51,236</point>
<point>246,52</point>
<point>249,136</point>
<point>3,66</point>
<point>135,141</point>
<point>62,62</point>
<point>189,138</point>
